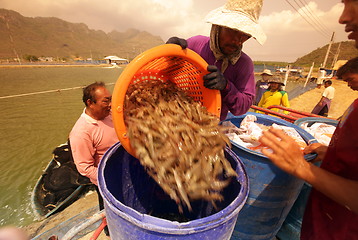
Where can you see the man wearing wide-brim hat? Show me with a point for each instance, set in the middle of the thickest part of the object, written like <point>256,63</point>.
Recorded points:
<point>231,70</point>
<point>278,80</point>
<point>262,84</point>
<point>275,95</point>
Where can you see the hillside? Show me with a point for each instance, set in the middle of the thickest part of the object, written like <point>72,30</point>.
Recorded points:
<point>53,37</point>
<point>347,51</point>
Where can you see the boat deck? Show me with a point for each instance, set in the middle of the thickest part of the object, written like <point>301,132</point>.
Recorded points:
<point>60,223</point>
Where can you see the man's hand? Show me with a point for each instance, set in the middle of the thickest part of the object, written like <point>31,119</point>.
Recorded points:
<point>215,79</point>
<point>317,148</point>
<point>178,41</point>
<point>286,153</point>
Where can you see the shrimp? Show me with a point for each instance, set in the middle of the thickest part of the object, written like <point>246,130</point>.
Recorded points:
<point>180,144</point>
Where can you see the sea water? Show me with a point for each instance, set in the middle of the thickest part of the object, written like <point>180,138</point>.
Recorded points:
<point>31,126</point>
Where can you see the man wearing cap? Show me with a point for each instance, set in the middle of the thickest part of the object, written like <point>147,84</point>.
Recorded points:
<point>262,85</point>
<point>275,95</point>
<point>231,70</point>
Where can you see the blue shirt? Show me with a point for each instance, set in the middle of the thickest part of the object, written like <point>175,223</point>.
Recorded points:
<point>261,87</point>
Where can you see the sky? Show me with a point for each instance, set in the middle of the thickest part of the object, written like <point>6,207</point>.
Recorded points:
<point>289,35</point>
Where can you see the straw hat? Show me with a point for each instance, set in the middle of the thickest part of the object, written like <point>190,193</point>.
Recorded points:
<point>242,15</point>
<point>267,72</point>
<point>277,79</point>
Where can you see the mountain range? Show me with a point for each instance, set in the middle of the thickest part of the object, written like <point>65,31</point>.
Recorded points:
<point>52,37</point>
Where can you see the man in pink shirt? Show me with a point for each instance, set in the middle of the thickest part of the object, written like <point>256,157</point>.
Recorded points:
<point>93,133</point>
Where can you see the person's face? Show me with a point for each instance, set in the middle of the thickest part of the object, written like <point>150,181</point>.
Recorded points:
<point>326,85</point>
<point>352,80</point>
<point>231,40</point>
<point>349,17</point>
<point>265,77</point>
<point>274,86</point>
<point>102,107</point>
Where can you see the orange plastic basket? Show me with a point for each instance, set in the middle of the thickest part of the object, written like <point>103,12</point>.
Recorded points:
<point>168,62</point>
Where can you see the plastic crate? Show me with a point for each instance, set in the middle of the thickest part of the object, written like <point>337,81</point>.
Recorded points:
<point>168,62</point>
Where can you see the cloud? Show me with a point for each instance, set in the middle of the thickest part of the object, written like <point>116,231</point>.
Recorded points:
<point>289,35</point>
<point>160,17</point>
<point>163,18</point>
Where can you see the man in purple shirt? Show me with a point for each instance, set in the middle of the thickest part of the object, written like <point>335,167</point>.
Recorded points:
<point>231,70</point>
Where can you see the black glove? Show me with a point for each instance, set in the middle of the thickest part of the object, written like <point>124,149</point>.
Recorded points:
<point>215,79</point>
<point>178,41</point>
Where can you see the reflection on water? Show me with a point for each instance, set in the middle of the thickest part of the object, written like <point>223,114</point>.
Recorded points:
<point>32,126</point>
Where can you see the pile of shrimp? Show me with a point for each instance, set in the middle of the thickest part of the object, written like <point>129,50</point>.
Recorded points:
<point>178,141</point>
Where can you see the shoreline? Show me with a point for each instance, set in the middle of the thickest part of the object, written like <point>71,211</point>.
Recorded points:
<point>51,65</point>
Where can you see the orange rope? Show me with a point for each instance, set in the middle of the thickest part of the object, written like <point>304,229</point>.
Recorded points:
<point>99,229</point>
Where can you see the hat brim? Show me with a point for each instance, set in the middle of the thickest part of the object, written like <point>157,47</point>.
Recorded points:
<point>278,83</point>
<point>236,20</point>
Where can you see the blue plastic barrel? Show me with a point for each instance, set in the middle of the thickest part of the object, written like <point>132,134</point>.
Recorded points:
<point>291,227</point>
<point>272,191</point>
<point>137,208</point>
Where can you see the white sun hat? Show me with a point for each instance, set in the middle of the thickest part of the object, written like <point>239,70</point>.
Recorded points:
<point>242,15</point>
<point>267,72</point>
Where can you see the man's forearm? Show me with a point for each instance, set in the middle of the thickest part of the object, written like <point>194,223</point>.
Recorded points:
<point>342,190</point>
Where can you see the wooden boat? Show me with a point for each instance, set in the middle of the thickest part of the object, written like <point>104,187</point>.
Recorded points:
<point>88,222</point>
<point>53,192</point>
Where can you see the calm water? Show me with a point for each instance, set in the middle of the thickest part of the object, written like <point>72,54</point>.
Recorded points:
<point>32,126</point>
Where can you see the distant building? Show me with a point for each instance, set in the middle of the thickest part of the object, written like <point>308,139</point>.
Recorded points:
<point>331,72</point>
<point>295,71</point>
<point>116,60</point>
<point>339,64</point>
<point>78,59</point>
<point>46,59</point>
